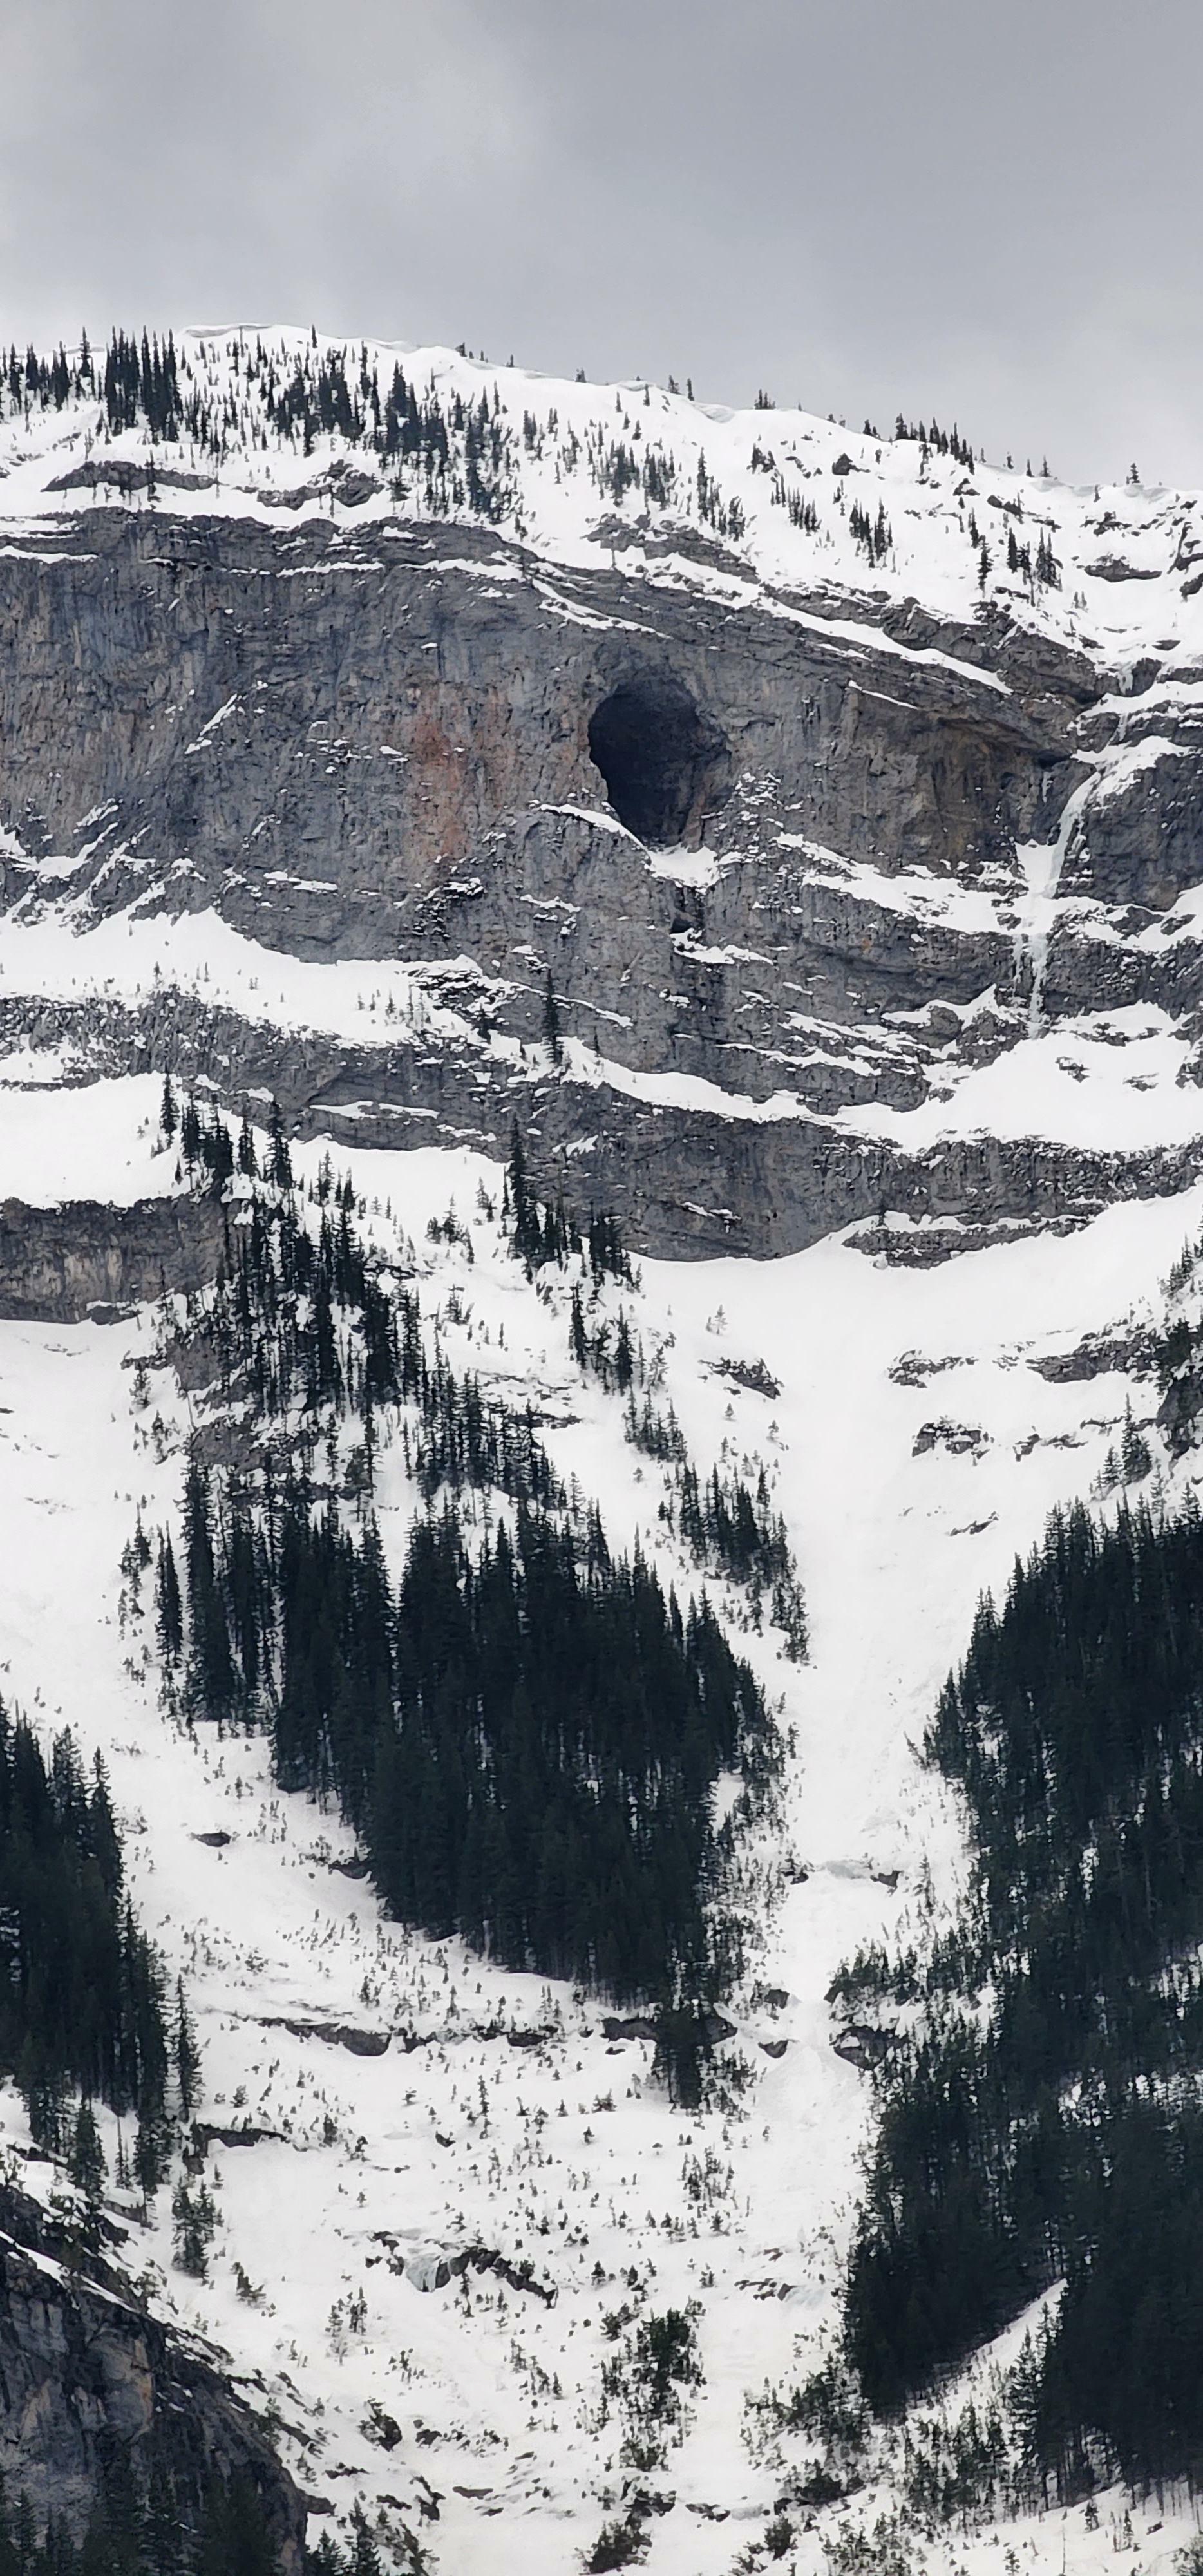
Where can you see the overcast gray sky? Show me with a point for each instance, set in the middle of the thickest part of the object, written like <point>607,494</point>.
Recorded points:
<point>987,211</point>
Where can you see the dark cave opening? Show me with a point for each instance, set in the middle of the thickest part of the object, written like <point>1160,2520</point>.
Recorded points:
<point>663,762</point>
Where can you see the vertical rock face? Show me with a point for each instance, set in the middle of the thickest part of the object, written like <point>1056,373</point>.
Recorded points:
<point>308,714</point>
<point>60,1264</point>
<point>776,853</point>
<point>94,2391</point>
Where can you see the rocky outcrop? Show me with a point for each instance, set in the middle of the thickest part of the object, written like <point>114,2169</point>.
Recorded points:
<point>1180,1412</point>
<point>862,2044</point>
<point>85,1258</point>
<point>327,731</point>
<point>94,2389</point>
<point>432,2267</point>
<point>694,1181</point>
<point>419,742</point>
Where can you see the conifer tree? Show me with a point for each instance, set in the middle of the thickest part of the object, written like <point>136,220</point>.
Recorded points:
<point>102,1840</point>
<point>280,1168</point>
<point>236,2540</point>
<point>169,1610</point>
<point>150,2150</point>
<point>524,1213</point>
<point>87,2160</point>
<point>186,2053</point>
<point>194,2216</point>
<point>551,1023</point>
<point>365,2556</point>
<point>578,1337</point>
<point>190,1134</point>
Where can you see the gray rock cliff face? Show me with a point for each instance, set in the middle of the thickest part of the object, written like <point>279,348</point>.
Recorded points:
<point>60,1264</point>
<point>92,2385</point>
<point>265,706</point>
<point>794,881</point>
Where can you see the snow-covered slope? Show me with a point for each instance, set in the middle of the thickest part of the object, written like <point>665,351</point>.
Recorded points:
<point>272,421</point>
<point>916,1440</point>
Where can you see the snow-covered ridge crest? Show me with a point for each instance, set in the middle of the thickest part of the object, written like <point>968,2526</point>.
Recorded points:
<point>279,424</point>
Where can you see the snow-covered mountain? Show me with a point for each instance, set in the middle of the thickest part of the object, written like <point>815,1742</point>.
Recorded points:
<point>792,833</point>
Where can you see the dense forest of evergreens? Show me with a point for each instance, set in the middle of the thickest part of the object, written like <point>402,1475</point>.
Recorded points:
<point>524,1729</point>
<point>81,1988</point>
<point>525,1732</point>
<point>1045,2120</point>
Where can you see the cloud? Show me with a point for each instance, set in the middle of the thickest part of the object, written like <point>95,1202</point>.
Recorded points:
<point>862,205</point>
<point>195,158</point>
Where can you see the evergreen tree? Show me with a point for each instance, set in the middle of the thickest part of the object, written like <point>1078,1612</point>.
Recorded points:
<point>87,2161</point>
<point>526,1234</point>
<point>365,2556</point>
<point>194,2216</point>
<point>551,1023</point>
<point>169,1608</point>
<point>186,2052</point>
<point>150,2150</point>
<point>577,1334</point>
<point>236,2540</point>
<point>280,1167</point>
<point>190,1134</point>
